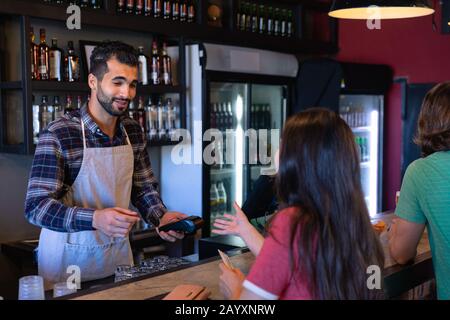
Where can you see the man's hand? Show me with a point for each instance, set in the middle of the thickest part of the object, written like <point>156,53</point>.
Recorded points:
<point>114,222</point>
<point>168,217</point>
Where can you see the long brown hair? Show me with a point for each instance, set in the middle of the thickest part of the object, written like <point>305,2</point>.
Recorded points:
<point>433,127</point>
<point>320,174</point>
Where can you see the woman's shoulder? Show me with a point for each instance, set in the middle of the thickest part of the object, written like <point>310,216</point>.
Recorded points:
<point>285,216</point>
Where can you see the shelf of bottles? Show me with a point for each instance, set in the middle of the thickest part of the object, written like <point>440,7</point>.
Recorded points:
<point>54,71</point>
<point>264,19</point>
<point>174,10</point>
<point>93,4</point>
<point>359,122</point>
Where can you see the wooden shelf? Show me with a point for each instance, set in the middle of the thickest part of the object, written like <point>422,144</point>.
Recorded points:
<point>192,32</point>
<point>83,87</point>
<point>15,85</point>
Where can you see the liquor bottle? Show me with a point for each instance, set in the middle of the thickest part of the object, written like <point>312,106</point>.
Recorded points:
<point>56,58</point>
<point>171,118</point>
<point>183,11</point>
<point>130,6</point>
<point>84,3</point>
<point>175,10</point>
<point>95,4</point>
<point>69,106</point>
<point>72,64</point>
<point>151,120</point>
<point>270,21</point>
<point>45,114</point>
<point>222,203</point>
<point>79,102</point>
<point>43,58</point>
<point>283,26</point>
<point>213,117</point>
<point>243,16</point>
<point>231,121</point>
<point>33,56</point>
<point>277,23</point>
<point>290,24</point>
<point>162,118</point>
<point>262,20</point>
<point>143,70</point>
<point>139,7</point>
<point>191,11</point>
<point>35,121</point>
<point>167,9</point>
<point>148,8</point>
<point>238,16</point>
<point>248,18</point>
<point>213,200</point>
<point>166,68</point>
<point>254,19</point>
<point>57,108</point>
<point>157,8</point>
<point>155,64</point>
<point>121,6</point>
<point>141,113</point>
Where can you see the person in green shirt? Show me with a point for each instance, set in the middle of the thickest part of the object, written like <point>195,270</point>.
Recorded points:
<point>425,193</point>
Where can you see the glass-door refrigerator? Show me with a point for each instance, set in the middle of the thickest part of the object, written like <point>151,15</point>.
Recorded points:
<point>237,102</point>
<point>364,114</point>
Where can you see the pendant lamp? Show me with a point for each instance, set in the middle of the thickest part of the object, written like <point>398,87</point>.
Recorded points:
<point>386,9</point>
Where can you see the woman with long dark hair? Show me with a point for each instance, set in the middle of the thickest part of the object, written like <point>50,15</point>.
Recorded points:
<point>425,193</point>
<point>321,242</point>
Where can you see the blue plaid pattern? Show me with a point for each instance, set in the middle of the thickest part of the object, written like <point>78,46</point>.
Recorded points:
<point>56,164</point>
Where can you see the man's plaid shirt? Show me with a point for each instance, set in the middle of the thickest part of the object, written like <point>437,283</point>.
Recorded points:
<point>56,164</point>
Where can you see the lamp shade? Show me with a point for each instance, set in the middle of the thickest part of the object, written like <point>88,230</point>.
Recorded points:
<point>385,9</point>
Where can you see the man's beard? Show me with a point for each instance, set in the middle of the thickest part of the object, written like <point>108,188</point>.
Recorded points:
<point>107,102</point>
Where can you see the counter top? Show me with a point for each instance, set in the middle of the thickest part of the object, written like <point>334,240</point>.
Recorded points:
<point>397,279</point>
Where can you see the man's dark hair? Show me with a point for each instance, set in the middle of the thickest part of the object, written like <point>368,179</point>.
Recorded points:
<point>107,50</point>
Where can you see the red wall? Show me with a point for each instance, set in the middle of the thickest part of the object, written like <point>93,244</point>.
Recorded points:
<point>413,50</point>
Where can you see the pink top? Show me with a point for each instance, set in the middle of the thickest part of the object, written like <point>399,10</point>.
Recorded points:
<point>270,276</point>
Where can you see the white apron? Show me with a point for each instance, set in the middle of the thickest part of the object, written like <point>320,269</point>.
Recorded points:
<point>104,181</point>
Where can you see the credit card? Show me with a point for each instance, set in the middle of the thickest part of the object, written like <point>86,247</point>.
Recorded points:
<point>226,260</point>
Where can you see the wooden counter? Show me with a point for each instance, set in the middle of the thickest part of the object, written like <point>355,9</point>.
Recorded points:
<point>398,278</point>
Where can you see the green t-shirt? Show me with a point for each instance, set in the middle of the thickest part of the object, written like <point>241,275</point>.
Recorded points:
<point>425,198</point>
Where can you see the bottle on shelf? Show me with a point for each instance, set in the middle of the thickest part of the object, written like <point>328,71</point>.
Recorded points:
<point>171,118</point>
<point>262,20</point>
<point>248,18</point>
<point>167,9</point>
<point>243,16</point>
<point>139,7</point>
<point>121,5</point>
<point>72,64</point>
<point>95,4</point>
<point>175,10</point>
<point>190,11</point>
<point>69,106</point>
<point>84,3</point>
<point>45,113</point>
<point>43,57</point>
<point>57,108</point>
<point>34,56</point>
<point>148,8</point>
<point>157,8</point>
<point>238,16</point>
<point>232,121</point>
<point>166,67</point>
<point>141,113</point>
<point>254,19</point>
<point>162,120</point>
<point>213,117</point>
<point>290,24</point>
<point>129,6</point>
<point>183,11</point>
<point>151,120</point>
<point>35,121</point>
<point>213,201</point>
<point>222,200</point>
<point>283,26</point>
<point>55,60</point>
<point>143,71</point>
<point>277,23</point>
<point>270,22</point>
<point>79,102</point>
<point>155,74</point>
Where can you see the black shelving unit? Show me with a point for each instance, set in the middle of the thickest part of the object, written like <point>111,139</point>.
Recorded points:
<point>182,33</point>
